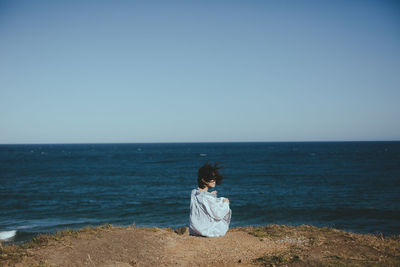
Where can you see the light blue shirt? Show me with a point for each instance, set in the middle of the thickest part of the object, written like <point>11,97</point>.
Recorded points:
<point>209,215</point>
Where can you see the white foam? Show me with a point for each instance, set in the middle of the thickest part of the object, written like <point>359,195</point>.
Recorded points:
<point>7,234</point>
<point>203,155</point>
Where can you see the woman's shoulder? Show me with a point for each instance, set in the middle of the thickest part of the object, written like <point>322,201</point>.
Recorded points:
<point>197,192</point>
<point>201,194</point>
<point>194,191</point>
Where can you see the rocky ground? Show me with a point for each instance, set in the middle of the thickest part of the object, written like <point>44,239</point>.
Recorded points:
<point>272,245</point>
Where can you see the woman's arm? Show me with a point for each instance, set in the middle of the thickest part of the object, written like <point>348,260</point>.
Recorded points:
<point>216,208</point>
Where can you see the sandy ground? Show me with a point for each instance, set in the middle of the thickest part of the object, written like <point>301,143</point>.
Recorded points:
<point>266,246</point>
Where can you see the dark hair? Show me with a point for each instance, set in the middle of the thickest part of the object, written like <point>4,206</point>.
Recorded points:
<point>209,172</point>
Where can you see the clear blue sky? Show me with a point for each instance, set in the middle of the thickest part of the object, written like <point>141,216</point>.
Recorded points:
<point>199,71</point>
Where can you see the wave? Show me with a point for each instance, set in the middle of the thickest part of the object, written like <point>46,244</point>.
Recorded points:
<point>23,233</point>
<point>5,235</point>
<point>161,162</point>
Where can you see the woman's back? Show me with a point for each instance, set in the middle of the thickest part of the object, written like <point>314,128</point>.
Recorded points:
<point>209,215</point>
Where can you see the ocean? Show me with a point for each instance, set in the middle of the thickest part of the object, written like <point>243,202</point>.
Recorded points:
<point>354,186</point>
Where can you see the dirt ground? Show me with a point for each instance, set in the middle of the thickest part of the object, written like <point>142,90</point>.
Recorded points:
<point>272,245</point>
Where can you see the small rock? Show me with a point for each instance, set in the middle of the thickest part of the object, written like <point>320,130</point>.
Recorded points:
<point>180,230</point>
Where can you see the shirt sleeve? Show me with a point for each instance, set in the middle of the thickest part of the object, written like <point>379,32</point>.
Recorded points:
<point>215,207</point>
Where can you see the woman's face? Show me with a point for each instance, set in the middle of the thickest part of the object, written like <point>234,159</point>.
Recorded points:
<point>211,183</point>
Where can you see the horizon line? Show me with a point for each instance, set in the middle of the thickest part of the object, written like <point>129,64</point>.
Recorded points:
<point>201,142</point>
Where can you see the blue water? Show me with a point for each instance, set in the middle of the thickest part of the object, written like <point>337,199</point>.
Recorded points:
<point>353,186</point>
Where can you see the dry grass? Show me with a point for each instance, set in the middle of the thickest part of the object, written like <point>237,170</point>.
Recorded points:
<point>312,246</point>
<point>156,229</point>
<point>12,254</point>
<point>302,245</point>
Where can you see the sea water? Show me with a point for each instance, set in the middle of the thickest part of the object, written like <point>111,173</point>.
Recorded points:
<point>354,186</point>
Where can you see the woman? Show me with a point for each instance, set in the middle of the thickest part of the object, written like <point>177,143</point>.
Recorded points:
<point>209,215</point>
